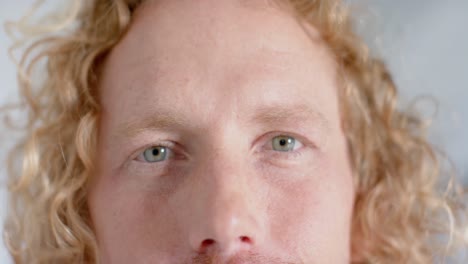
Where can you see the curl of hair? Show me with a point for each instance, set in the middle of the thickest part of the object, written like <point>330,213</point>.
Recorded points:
<point>398,209</point>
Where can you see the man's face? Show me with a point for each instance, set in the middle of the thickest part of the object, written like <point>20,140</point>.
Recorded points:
<point>220,135</point>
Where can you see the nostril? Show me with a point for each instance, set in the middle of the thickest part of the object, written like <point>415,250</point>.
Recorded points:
<point>245,239</point>
<point>206,243</point>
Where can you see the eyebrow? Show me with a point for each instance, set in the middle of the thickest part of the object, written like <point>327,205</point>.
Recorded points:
<point>159,121</point>
<point>265,115</point>
<point>274,115</point>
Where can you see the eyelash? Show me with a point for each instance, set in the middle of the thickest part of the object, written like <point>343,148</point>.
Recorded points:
<point>289,154</point>
<point>164,144</point>
<point>277,154</point>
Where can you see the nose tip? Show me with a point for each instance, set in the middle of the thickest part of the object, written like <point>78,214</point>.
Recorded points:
<point>224,235</point>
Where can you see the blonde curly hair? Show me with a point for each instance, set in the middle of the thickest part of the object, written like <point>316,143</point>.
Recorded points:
<point>399,212</point>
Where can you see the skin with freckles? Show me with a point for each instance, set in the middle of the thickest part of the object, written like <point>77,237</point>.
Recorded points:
<point>220,140</point>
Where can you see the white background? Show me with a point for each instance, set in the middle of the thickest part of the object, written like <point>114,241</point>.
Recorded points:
<point>425,43</point>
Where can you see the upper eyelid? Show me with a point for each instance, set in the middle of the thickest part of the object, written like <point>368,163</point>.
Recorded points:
<point>267,138</point>
<point>141,150</point>
<point>175,147</point>
<point>296,136</point>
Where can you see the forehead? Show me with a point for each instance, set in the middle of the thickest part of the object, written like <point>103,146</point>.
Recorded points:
<point>207,31</point>
<point>216,54</point>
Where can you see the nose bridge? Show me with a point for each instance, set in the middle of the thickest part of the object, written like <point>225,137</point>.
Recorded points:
<point>224,218</point>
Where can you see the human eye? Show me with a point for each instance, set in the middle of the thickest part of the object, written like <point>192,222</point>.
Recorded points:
<point>284,143</point>
<point>154,154</point>
<point>282,147</point>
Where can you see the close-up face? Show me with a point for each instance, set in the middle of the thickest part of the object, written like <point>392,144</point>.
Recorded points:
<point>220,139</point>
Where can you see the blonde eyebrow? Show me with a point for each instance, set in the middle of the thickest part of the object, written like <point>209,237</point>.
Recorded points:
<point>274,115</point>
<point>267,115</point>
<point>159,121</point>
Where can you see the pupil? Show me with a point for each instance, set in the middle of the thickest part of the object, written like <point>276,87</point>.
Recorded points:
<point>283,142</point>
<point>155,152</point>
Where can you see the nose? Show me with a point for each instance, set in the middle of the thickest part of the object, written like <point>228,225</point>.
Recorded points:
<point>223,229</point>
<point>224,221</point>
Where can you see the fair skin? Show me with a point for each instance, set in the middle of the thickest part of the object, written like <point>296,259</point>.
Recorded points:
<point>220,135</point>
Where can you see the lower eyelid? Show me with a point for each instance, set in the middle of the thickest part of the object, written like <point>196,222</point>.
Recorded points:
<point>285,159</point>
<point>282,155</point>
<point>146,168</point>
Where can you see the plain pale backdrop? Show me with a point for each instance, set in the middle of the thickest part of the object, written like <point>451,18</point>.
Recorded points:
<point>425,43</point>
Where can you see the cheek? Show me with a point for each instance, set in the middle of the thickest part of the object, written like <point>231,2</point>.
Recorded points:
<point>312,217</point>
<point>140,216</point>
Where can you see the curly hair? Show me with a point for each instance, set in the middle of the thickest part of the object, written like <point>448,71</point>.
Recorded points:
<point>400,213</point>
